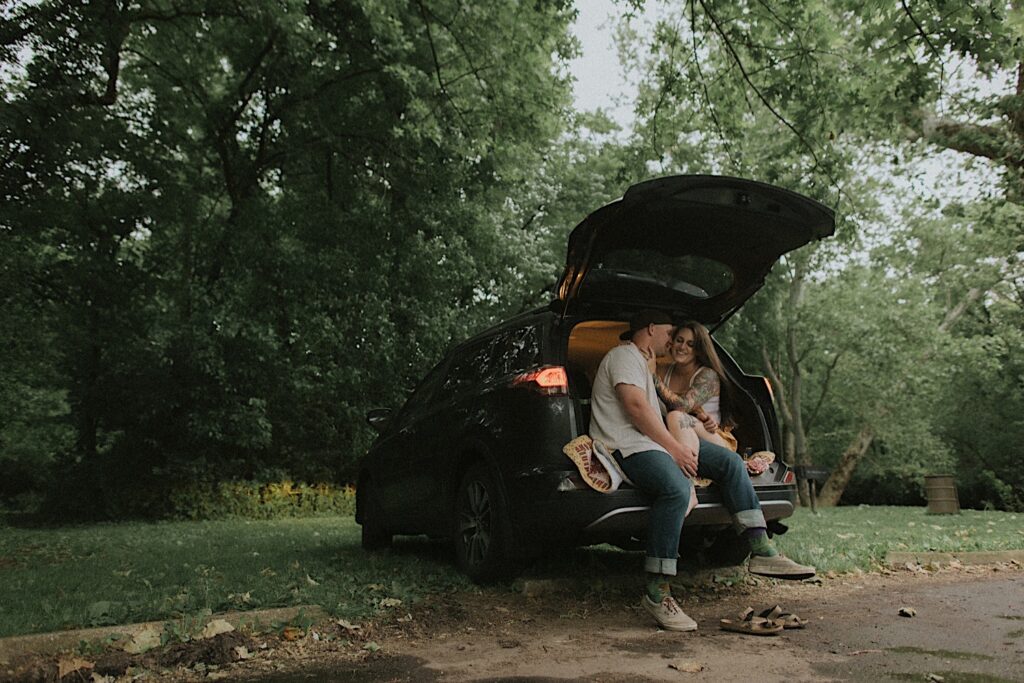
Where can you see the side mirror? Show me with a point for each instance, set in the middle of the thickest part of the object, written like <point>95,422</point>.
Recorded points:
<point>378,418</point>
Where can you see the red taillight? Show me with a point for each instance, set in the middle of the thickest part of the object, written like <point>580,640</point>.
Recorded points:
<point>550,381</point>
<point>789,478</point>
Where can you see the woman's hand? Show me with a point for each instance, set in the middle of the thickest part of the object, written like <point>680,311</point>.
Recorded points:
<point>709,423</point>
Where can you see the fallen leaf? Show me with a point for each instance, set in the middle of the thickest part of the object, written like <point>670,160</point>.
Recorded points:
<point>100,678</point>
<point>242,652</point>
<point>143,641</point>
<point>908,612</point>
<point>687,665</point>
<point>215,628</point>
<point>349,627</point>
<point>291,633</point>
<point>935,677</point>
<point>371,646</point>
<point>68,665</point>
<point>390,602</point>
<point>311,581</point>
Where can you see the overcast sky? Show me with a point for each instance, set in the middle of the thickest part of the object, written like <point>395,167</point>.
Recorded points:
<point>599,79</point>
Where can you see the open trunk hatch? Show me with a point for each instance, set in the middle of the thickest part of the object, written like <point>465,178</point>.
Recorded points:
<point>697,244</point>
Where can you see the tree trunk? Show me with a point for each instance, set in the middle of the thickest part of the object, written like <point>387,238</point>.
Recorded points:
<point>833,489</point>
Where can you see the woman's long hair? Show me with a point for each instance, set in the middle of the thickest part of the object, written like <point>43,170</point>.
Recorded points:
<point>704,349</point>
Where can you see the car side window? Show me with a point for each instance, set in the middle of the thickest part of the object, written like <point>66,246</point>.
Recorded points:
<point>422,396</point>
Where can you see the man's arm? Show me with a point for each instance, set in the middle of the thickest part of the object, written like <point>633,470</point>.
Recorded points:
<point>648,421</point>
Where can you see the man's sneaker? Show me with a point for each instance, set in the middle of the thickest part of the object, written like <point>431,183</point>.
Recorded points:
<point>779,567</point>
<point>668,614</point>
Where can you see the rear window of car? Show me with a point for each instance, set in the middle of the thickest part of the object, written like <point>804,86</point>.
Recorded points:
<point>690,274</point>
<point>509,352</point>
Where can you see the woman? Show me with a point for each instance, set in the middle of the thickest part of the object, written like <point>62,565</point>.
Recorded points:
<point>690,386</point>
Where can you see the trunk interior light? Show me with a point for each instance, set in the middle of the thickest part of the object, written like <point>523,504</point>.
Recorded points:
<point>551,380</point>
<point>771,392</point>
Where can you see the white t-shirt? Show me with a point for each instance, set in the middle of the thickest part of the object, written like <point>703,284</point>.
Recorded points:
<point>609,421</point>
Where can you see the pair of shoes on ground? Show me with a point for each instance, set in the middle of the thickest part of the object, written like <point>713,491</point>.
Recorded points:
<point>669,615</point>
<point>769,622</point>
<point>779,567</point>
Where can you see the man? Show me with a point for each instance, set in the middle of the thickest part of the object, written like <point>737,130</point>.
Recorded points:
<point>626,416</point>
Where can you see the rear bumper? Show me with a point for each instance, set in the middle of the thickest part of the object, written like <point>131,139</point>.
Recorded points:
<point>587,517</point>
<point>632,521</point>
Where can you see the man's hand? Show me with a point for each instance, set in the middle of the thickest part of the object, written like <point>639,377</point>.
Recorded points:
<point>709,423</point>
<point>686,458</point>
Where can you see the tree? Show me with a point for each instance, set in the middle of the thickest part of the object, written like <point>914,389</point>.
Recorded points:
<point>793,93</point>
<point>254,221</point>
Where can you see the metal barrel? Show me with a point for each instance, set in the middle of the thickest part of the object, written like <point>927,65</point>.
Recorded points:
<point>940,490</point>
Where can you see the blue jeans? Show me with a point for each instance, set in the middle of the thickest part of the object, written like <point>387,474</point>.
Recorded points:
<point>657,474</point>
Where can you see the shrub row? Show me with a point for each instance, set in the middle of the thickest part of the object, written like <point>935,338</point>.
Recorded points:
<point>259,500</point>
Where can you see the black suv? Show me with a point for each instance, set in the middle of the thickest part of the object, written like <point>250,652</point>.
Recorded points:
<point>475,454</point>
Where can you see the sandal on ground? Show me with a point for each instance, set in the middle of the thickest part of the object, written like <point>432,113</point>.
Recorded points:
<point>751,625</point>
<point>787,619</point>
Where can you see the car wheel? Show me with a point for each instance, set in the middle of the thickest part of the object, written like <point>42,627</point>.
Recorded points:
<point>375,536</point>
<point>727,549</point>
<point>480,532</point>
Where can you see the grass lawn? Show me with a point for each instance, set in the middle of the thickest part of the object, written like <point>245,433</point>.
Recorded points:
<point>844,539</point>
<point>52,579</point>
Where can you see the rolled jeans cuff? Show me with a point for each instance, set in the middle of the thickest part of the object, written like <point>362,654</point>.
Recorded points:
<point>658,565</point>
<point>748,519</point>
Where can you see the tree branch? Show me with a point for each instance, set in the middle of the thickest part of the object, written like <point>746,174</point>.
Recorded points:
<point>437,67</point>
<point>928,42</point>
<point>955,313</point>
<point>757,91</point>
<point>982,141</point>
<point>704,87</point>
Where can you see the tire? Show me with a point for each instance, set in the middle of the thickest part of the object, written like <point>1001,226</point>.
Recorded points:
<point>479,527</point>
<point>375,535</point>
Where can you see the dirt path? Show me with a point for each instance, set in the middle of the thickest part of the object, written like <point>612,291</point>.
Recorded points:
<point>969,627</point>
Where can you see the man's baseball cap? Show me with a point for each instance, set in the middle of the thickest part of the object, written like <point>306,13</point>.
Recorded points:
<point>642,319</point>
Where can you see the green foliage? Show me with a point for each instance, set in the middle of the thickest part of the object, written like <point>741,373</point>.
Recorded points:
<point>238,227</point>
<point>251,500</point>
<point>892,328</point>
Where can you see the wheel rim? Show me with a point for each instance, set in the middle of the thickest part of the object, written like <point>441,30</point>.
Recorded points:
<point>475,522</point>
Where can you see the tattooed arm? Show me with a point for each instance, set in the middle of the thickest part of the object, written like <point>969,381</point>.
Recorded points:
<point>705,387</point>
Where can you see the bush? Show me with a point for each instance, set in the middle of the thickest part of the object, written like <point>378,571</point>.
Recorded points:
<point>260,500</point>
